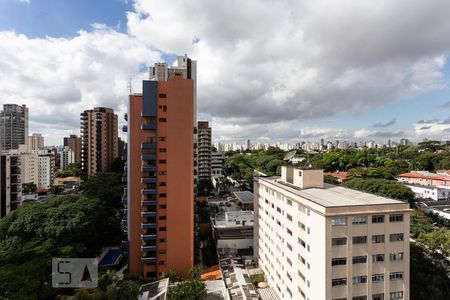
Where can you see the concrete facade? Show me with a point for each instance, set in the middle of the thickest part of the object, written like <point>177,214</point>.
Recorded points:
<point>74,143</point>
<point>160,176</point>
<point>99,141</point>
<point>36,141</point>
<point>13,126</point>
<point>328,242</point>
<point>10,183</point>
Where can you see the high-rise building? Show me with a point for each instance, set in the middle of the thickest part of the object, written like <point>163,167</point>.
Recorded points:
<point>10,183</point>
<point>13,126</point>
<point>46,166</point>
<point>67,157</point>
<point>99,140</point>
<point>319,241</point>
<point>204,150</point>
<point>217,159</point>
<point>36,141</point>
<point>30,168</point>
<point>160,174</point>
<point>74,143</point>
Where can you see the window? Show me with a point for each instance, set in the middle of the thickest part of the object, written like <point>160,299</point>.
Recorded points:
<point>162,161</point>
<point>377,277</point>
<point>302,242</point>
<point>360,220</point>
<point>359,279</point>
<point>360,298</point>
<point>339,282</point>
<point>396,276</point>
<point>162,184</point>
<point>395,295</point>
<point>396,256</point>
<point>396,237</point>
<point>162,150</point>
<point>161,263</point>
<point>289,202</point>
<point>162,217</point>
<point>162,251</point>
<point>396,218</point>
<point>289,261</point>
<point>162,139</point>
<point>289,217</point>
<point>289,231</point>
<point>359,239</point>
<point>378,239</point>
<point>339,221</point>
<point>162,172</point>
<point>378,297</point>
<point>162,228</point>
<point>162,96</point>
<point>378,219</point>
<point>162,120</point>
<point>162,206</point>
<point>377,257</point>
<point>301,225</point>
<point>301,275</point>
<point>289,246</point>
<point>162,195</point>
<point>359,259</point>
<point>339,241</point>
<point>341,261</point>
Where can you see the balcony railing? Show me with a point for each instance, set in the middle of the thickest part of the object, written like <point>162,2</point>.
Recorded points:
<point>148,192</point>
<point>148,146</point>
<point>148,126</point>
<point>148,180</point>
<point>148,248</point>
<point>148,203</point>
<point>149,237</point>
<point>148,168</point>
<point>148,157</point>
<point>148,225</point>
<point>146,214</point>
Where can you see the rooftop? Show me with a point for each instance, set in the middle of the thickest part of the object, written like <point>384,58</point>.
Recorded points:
<point>234,219</point>
<point>237,279</point>
<point>244,196</point>
<point>425,175</point>
<point>331,195</point>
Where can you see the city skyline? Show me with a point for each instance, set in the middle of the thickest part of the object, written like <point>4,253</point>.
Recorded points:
<point>329,87</point>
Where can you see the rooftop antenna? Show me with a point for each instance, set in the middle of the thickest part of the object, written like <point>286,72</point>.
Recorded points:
<point>130,85</point>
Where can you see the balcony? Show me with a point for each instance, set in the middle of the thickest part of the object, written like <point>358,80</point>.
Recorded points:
<point>148,126</point>
<point>124,128</point>
<point>148,157</point>
<point>148,146</point>
<point>149,237</point>
<point>149,260</point>
<point>148,192</point>
<point>125,211</point>
<point>124,179</point>
<point>148,225</point>
<point>146,214</point>
<point>148,203</point>
<point>148,168</point>
<point>147,180</point>
<point>148,248</point>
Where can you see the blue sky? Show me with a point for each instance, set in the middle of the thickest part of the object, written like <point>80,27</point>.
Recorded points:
<point>61,18</point>
<point>328,88</point>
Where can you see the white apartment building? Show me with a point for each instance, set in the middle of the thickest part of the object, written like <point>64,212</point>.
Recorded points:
<point>322,242</point>
<point>67,157</point>
<point>46,164</point>
<point>36,141</point>
<point>30,172</point>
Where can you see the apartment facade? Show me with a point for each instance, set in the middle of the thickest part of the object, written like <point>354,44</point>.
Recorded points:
<point>13,126</point>
<point>318,241</point>
<point>74,143</point>
<point>36,141</point>
<point>217,159</point>
<point>10,183</point>
<point>204,150</point>
<point>99,140</point>
<point>67,157</point>
<point>160,175</point>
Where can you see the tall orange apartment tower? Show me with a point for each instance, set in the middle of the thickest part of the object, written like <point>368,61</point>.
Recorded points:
<point>160,174</point>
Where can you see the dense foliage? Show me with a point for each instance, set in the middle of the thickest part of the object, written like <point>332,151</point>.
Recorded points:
<point>63,226</point>
<point>187,290</point>
<point>71,170</point>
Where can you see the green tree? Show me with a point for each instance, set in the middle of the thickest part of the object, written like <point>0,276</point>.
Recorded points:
<point>205,187</point>
<point>187,290</point>
<point>172,275</point>
<point>437,241</point>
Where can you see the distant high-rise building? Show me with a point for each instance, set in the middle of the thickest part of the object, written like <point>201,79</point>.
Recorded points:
<point>99,140</point>
<point>405,142</point>
<point>160,173</point>
<point>67,157</point>
<point>247,145</point>
<point>13,126</point>
<point>204,150</point>
<point>319,241</point>
<point>10,183</point>
<point>74,143</point>
<point>36,141</point>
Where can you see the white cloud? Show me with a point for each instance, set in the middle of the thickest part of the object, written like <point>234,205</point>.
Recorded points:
<point>262,65</point>
<point>433,129</point>
<point>24,1</point>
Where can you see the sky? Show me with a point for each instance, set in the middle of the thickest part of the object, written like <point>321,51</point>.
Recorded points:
<point>268,70</point>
